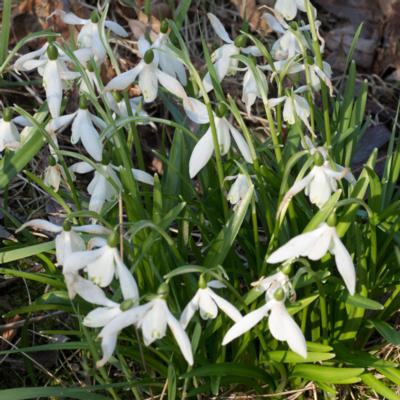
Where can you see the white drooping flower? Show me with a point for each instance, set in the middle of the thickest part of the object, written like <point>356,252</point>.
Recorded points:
<point>281,325</point>
<point>314,245</point>
<point>318,185</point>
<point>204,149</point>
<point>83,129</point>
<point>9,135</point>
<point>208,302</point>
<point>52,175</point>
<point>103,187</point>
<point>168,60</point>
<point>251,87</point>
<point>149,75</point>
<point>54,72</point>
<point>239,189</point>
<point>90,35</point>
<point>152,318</point>
<point>100,261</point>
<point>223,58</point>
<point>289,8</point>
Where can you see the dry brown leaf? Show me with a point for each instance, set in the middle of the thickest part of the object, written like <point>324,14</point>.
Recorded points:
<point>248,9</point>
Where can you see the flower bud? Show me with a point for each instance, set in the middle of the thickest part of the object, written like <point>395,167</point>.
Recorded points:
<point>164,26</point>
<point>126,305</point>
<point>148,56</point>
<point>332,220</point>
<point>7,114</point>
<point>52,52</point>
<point>113,239</point>
<point>221,110</point>
<point>83,103</point>
<point>94,17</point>
<point>279,294</point>
<point>241,41</point>
<point>318,159</point>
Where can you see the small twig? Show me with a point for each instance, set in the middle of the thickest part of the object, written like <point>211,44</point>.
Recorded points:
<point>17,324</point>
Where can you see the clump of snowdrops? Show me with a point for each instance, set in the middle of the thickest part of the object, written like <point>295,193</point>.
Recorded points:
<point>247,265</point>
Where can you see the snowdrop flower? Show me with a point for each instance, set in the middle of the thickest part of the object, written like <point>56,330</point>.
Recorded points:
<point>52,174</point>
<point>294,106</point>
<point>288,8</point>
<point>152,318</point>
<point>100,261</point>
<point>149,75</point>
<point>314,245</point>
<point>251,88</point>
<point>93,82</point>
<point>224,62</point>
<point>281,325</point>
<point>318,184</point>
<point>9,135</point>
<point>83,128</point>
<point>168,60</point>
<point>208,302</point>
<point>204,148</point>
<point>90,34</point>
<point>317,75</point>
<point>238,190</point>
<point>54,72</point>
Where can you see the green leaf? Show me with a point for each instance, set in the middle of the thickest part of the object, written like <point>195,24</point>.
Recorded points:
<point>363,302</point>
<point>234,369</point>
<point>225,239</point>
<point>327,374</point>
<point>48,347</point>
<point>171,382</point>
<point>379,387</point>
<point>181,12</point>
<point>42,278</point>
<point>390,334</point>
<point>25,252</point>
<point>291,357</point>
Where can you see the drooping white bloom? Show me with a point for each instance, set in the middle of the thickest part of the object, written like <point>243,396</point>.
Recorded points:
<point>100,261</point>
<point>224,62</point>
<point>83,129</point>
<point>152,318</point>
<point>168,60</point>
<point>149,76</point>
<point>251,87</point>
<point>238,190</point>
<point>281,325</point>
<point>314,245</point>
<point>90,35</point>
<point>9,135</point>
<point>204,148</point>
<point>208,302</point>
<point>318,185</point>
<point>288,8</point>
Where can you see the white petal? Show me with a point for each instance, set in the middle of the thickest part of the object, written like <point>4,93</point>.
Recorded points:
<point>66,244</point>
<point>127,282</point>
<point>116,28</point>
<point>221,67</point>
<point>32,64</point>
<point>207,307</point>
<point>251,50</point>
<point>172,85</point>
<point>273,23</point>
<point>98,195</point>
<point>53,86</point>
<point>283,327</point>
<point>81,167</point>
<point>215,284</point>
<point>154,323</point>
<point>102,270</point>
<point>287,8</point>
<point>142,176</point>
<point>92,293</point>
<point>201,154</point>
<point>300,245</point>
<point>148,83</point>
<point>122,81</point>
<point>219,28</point>
<point>319,189</point>
<point>321,246</point>
<point>229,309</point>
<point>94,229</point>
<point>22,121</point>
<point>245,324</point>
<point>223,136</point>
<point>19,63</point>
<point>241,144</point>
<point>101,316</point>
<point>289,111</point>
<point>196,111</point>
<point>40,224</point>
<point>60,123</point>
<point>81,259</point>
<point>180,337</point>
<point>189,311</point>
<point>344,263</point>
<point>143,45</point>
<point>70,18</point>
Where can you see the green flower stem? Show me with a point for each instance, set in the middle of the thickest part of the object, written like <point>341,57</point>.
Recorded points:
<point>318,56</point>
<point>274,136</point>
